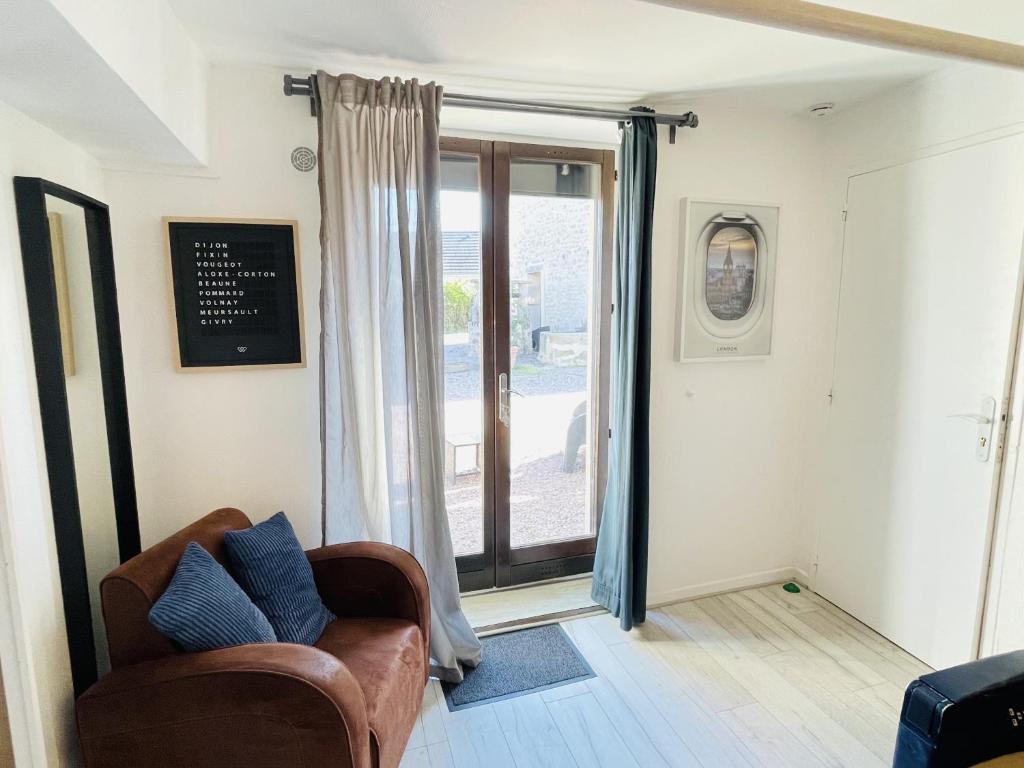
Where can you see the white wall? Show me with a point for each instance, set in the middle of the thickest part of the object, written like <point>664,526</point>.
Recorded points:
<point>146,45</point>
<point>728,439</point>
<point>249,439</point>
<point>959,104</point>
<point>33,644</point>
<point>122,80</point>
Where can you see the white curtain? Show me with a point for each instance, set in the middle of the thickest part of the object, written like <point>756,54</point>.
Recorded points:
<point>381,347</point>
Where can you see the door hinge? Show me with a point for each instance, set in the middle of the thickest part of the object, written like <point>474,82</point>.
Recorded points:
<point>828,396</point>
<point>845,212</point>
<point>616,175</point>
<point>609,433</point>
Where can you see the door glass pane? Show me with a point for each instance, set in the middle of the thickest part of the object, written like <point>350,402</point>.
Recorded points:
<point>553,247</point>
<point>461,255</point>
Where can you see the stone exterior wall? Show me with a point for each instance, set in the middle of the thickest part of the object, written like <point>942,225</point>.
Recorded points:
<point>554,235</point>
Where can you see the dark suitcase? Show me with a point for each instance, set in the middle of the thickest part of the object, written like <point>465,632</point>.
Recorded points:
<point>963,715</point>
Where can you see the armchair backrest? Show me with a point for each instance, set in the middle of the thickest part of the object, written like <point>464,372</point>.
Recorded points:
<point>129,591</point>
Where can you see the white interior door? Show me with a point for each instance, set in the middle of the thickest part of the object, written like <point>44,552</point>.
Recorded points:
<point>926,327</point>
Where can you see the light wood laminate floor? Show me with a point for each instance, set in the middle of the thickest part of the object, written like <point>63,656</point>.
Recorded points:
<point>495,607</point>
<point>753,678</point>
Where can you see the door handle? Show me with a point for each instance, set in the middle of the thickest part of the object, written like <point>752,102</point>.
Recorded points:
<point>985,420</point>
<point>504,408</point>
<point>977,418</point>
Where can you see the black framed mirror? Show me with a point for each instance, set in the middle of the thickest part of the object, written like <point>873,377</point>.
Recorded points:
<point>76,340</point>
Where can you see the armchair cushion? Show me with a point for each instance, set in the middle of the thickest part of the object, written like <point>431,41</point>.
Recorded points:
<point>367,578</point>
<point>204,609</point>
<point>274,571</point>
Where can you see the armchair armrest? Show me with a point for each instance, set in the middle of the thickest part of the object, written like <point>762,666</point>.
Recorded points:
<point>366,578</point>
<point>251,705</point>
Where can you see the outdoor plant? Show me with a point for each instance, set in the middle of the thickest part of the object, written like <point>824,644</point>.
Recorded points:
<point>519,324</point>
<point>458,300</point>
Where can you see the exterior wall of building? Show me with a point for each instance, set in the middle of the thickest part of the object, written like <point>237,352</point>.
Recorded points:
<point>555,236</point>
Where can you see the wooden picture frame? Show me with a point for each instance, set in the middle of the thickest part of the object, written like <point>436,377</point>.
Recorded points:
<point>209,284</point>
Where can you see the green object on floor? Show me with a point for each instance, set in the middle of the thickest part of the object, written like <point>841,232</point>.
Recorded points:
<point>789,586</point>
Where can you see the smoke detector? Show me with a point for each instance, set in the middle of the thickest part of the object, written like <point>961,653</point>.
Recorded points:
<point>822,110</point>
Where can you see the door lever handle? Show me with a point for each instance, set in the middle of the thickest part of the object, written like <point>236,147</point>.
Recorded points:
<point>504,407</point>
<point>977,418</point>
<point>986,425</point>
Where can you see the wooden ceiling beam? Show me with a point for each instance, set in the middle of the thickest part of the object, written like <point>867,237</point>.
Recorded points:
<point>827,21</point>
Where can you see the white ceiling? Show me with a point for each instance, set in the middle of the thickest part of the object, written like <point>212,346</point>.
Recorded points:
<point>612,51</point>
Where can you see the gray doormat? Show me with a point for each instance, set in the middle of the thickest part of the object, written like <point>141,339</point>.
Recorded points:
<point>517,663</point>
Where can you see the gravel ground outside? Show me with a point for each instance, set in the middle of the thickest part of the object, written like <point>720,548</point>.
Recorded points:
<point>547,504</point>
<point>530,376</point>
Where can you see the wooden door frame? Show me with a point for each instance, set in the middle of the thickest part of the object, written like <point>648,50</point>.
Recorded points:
<point>572,556</point>
<point>499,564</point>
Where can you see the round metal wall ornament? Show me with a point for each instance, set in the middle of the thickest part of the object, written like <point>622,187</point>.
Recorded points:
<point>303,159</point>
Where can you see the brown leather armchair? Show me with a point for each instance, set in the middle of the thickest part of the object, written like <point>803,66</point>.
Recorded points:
<point>351,700</point>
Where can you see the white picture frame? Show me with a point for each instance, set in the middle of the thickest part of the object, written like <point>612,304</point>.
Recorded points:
<point>726,294</point>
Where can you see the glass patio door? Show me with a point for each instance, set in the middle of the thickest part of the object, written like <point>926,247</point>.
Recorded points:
<point>526,246</point>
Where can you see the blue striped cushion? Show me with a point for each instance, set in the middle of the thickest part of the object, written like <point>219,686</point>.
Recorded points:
<point>203,608</point>
<point>273,570</point>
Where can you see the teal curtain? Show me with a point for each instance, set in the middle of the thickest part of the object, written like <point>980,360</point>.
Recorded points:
<point>620,565</point>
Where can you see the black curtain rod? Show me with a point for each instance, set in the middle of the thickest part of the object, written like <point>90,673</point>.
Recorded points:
<point>303,86</point>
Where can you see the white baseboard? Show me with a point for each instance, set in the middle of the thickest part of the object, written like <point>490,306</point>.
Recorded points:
<point>708,588</point>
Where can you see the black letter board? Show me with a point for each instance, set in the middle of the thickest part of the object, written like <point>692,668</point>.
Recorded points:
<point>236,292</point>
